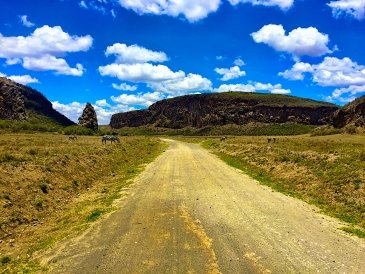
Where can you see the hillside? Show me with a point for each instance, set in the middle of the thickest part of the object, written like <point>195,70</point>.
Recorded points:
<point>21,103</point>
<point>351,114</point>
<point>219,109</point>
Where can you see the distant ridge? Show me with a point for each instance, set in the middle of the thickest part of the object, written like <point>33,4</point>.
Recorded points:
<point>19,102</point>
<point>216,109</point>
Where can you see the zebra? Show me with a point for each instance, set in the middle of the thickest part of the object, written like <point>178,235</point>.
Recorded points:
<point>111,138</point>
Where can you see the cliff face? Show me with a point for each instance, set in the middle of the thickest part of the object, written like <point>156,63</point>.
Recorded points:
<point>16,101</point>
<point>227,108</point>
<point>12,102</point>
<point>351,114</point>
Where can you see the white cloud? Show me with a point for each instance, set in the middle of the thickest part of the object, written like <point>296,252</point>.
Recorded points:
<point>24,20</point>
<point>355,8</point>
<point>72,110</point>
<point>39,50</point>
<point>48,62</point>
<point>134,54</point>
<point>299,42</point>
<point>102,103</point>
<point>282,4</point>
<point>239,62</point>
<point>83,5</point>
<point>253,87</point>
<point>44,40</point>
<point>347,94</point>
<point>190,83</point>
<point>21,79</point>
<point>297,71</point>
<point>124,86</point>
<point>219,57</point>
<point>192,10</point>
<point>140,72</point>
<point>231,73</point>
<point>331,72</point>
<point>140,99</point>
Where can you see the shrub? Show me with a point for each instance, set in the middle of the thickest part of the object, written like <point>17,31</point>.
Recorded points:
<point>94,215</point>
<point>5,259</point>
<point>44,186</point>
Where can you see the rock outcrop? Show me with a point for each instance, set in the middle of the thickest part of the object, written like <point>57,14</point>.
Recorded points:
<point>227,108</point>
<point>351,114</point>
<point>12,102</point>
<point>18,102</point>
<point>88,118</point>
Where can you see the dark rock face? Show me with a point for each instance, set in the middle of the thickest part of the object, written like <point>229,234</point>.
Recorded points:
<point>221,109</point>
<point>88,118</point>
<point>12,105</point>
<point>351,114</point>
<point>16,101</point>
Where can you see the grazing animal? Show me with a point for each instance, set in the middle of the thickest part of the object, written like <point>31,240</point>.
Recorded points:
<point>111,138</point>
<point>72,137</point>
<point>269,140</point>
<point>223,138</point>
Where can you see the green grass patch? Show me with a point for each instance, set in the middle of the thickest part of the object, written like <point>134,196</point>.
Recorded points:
<point>354,231</point>
<point>94,215</point>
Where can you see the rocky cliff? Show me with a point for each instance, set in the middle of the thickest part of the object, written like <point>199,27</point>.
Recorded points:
<point>17,102</point>
<point>227,108</point>
<point>351,114</point>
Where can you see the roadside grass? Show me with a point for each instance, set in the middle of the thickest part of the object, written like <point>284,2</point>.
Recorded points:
<point>60,188</point>
<point>251,129</point>
<point>327,171</point>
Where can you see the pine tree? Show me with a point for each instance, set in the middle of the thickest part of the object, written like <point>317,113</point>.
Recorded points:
<point>88,118</point>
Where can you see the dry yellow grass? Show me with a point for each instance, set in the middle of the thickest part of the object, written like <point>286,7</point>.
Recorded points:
<point>50,186</point>
<point>328,171</point>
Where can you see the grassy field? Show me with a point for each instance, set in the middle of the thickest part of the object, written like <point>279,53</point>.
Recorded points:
<point>51,188</point>
<point>328,171</point>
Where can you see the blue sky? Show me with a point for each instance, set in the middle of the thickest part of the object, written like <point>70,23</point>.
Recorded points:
<point>123,55</point>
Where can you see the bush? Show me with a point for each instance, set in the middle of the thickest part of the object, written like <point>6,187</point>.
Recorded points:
<point>5,259</point>
<point>44,186</point>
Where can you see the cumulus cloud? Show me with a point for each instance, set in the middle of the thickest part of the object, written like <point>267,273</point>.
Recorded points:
<point>132,65</point>
<point>230,73</point>
<point>49,62</point>
<point>140,72</point>
<point>331,71</point>
<point>354,8</point>
<point>282,4</point>
<point>253,87</point>
<point>192,10</point>
<point>297,71</point>
<point>190,83</point>
<point>44,40</point>
<point>134,54</point>
<point>346,94</point>
<point>21,79</point>
<point>124,86</point>
<point>45,44</point>
<point>298,42</point>
<point>239,62</point>
<point>139,99</point>
<point>24,20</point>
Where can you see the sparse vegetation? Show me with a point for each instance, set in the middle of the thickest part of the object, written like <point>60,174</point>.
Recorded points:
<point>328,171</point>
<point>62,189</point>
<point>251,129</point>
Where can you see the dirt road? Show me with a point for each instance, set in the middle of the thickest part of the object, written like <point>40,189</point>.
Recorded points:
<point>189,212</point>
